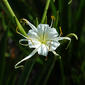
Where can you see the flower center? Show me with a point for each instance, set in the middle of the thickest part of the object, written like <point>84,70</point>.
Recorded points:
<point>43,42</point>
<point>43,39</point>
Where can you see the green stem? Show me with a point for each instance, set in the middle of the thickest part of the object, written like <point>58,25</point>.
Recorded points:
<point>14,16</point>
<point>45,11</point>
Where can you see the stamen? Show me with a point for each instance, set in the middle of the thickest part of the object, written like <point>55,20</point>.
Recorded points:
<point>53,18</point>
<point>61,33</point>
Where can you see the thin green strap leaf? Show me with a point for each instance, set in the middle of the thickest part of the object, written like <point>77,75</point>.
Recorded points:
<point>45,11</point>
<point>14,17</point>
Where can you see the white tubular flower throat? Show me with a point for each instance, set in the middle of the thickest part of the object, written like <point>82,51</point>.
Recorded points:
<point>44,38</point>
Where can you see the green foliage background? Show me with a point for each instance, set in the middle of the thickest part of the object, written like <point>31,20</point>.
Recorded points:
<point>70,70</point>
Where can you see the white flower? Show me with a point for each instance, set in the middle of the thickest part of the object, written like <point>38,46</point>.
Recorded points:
<point>43,39</point>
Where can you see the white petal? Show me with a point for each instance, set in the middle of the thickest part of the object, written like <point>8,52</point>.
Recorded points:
<point>42,30</point>
<point>33,43</point>
<point>52,33</point>
<point>31,25</point>
<point>33,34</point>
<point>53,45</point>
<point>48,32</point>
<point>42,26</point>
<point>43,50</point>
<point>29,56</point>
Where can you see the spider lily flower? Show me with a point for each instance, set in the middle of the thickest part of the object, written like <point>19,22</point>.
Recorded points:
<point>44,38</point>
